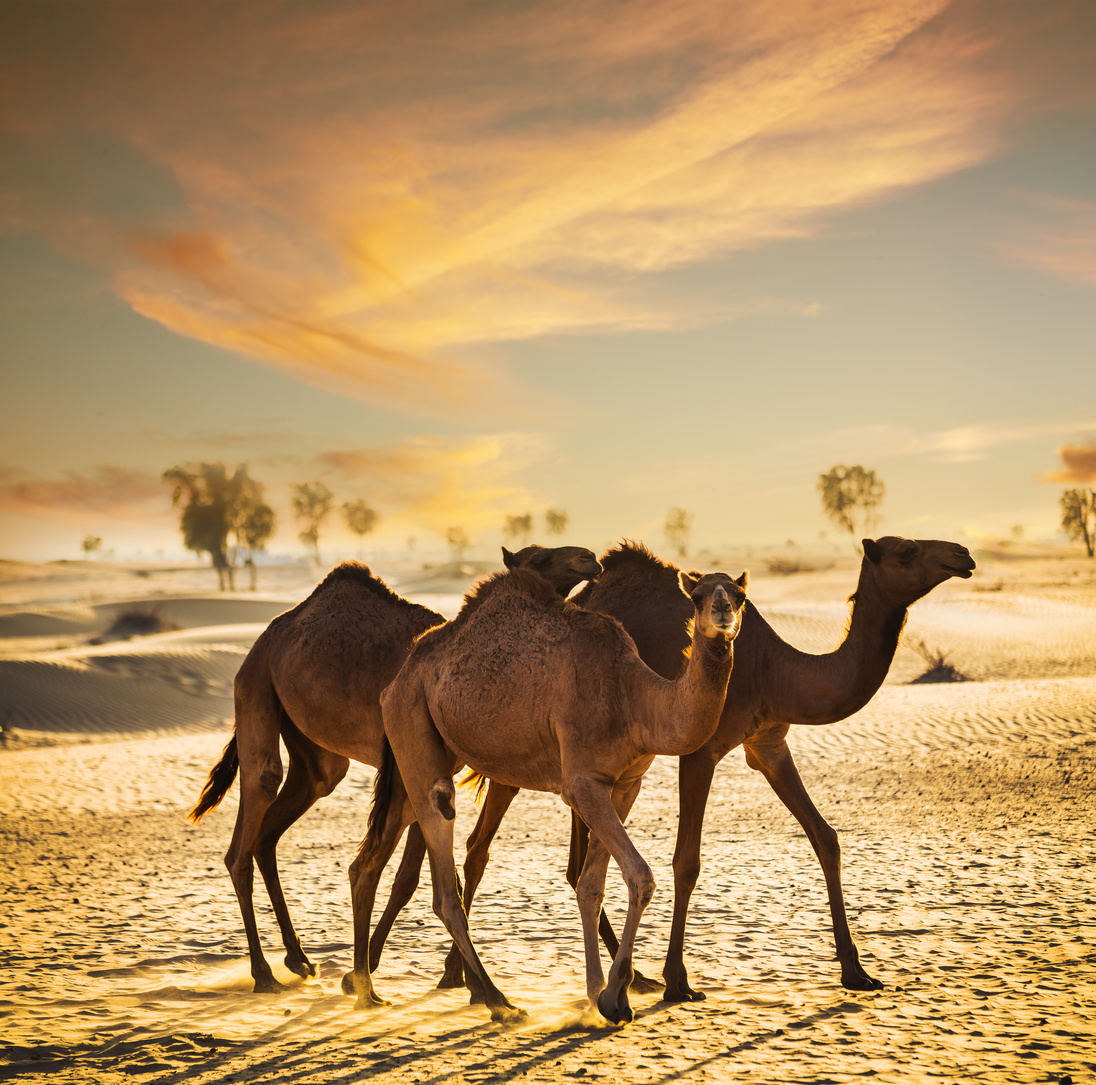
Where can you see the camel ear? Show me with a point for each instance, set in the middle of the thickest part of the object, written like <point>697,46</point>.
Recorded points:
<point>872,551</point>
<point>688,583</point>
<point>744,579</point>
<point>507,558</point>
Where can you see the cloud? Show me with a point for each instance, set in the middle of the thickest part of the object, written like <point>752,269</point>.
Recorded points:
<point>109,490</point>
<point>365,195</point>
<point>1060,243</point>
<point>439,482</point>
<point>957,444</point>
<point>1079,466</point>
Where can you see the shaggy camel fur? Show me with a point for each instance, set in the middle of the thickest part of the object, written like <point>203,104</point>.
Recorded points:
<point>538,693</point>
<point>314,678</point>
<point>772,687</point>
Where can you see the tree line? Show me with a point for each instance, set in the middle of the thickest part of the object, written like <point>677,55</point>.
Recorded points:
<point>225,515</point>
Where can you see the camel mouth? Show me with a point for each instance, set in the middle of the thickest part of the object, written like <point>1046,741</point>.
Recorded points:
<point>964,574</point>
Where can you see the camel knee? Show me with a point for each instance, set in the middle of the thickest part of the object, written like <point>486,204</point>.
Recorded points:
<point>443,797</point>
<point>687,871</point>
<point>270,779</point>
<point>827,845</point>
<point>641,887</point>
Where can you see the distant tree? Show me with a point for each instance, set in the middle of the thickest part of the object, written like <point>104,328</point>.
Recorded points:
<point>1079,516</point>
<point>678,526</point>
<point>361,519</point>
<point>555,521</point>
<point>519,528</point>
<point>90,544</point>
<point>312,504</point>
<point>850,497</point>
<point>254,529</point>
<point>215,505</point>
<point>457,540</point>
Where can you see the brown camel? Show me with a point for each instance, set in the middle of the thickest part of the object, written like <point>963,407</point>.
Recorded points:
<point>773,686</point>
<point>538,693</point>
<point>314,678</point>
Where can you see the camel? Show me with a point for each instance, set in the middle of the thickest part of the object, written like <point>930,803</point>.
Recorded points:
<point>773,686</point>
<point>538,693</point>
<point>314,678</point>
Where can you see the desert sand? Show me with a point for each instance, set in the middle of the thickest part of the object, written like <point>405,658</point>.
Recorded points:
<point>965,812</point>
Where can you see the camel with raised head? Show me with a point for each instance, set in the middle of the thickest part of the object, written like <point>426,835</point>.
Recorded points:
<point>314,679</point>
<point>772,687</point>
<point>538,693</point>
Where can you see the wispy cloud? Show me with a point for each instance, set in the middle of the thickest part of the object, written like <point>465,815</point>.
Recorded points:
<point>957,444</point>
<point>114,491</point>
<point>1059,238</point>
<point>363,194</point>
<point>439,482</point>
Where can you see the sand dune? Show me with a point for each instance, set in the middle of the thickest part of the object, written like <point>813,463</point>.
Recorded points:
<point>965,813</point>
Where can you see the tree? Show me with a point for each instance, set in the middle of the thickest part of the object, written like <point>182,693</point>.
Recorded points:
<point>457,540</point>
<point>361,519</point>
<point>255,528</point>
<point>679,524</point>
<point>519,528</point>
<point>555,521</point>
<point>312,503</point>
<point>1079,516</point>
<point>850,496</point>
<point>90,544</point>
<point>216,505</point>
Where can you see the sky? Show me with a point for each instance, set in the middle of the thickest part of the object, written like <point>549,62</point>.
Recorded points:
<point>468,260</point>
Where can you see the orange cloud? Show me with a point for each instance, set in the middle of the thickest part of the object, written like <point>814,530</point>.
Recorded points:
<point>1062,244</point>
<point>438,482</point>
<point>1079,466</point>
<point>363,194</point>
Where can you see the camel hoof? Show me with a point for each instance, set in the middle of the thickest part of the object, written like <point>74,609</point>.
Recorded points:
<point>268,985</point>
<point>303,968</point>
<point>615,1014</point>
<point>370,1001</point>
<point>348,987</point>
<point>683,994</point>
<point>508,1015</point>
<point>861,982</point>
<point>643,985</point>
<point>450,980</point>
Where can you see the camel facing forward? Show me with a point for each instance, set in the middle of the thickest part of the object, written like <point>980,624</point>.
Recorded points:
<point>314,679</point>
<point>539,693</point>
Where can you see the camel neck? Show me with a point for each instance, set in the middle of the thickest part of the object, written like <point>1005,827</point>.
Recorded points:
<point>680,715</point>
<point>826,688</point>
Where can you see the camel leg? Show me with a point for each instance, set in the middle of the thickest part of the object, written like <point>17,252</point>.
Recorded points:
<point>258,718</point>
<point>580,839</point>
<point>603,812</point>
<point>313,773</point>
<point>776,764</point>
<point>695,773</point>
<point>498,800</point>
<point>426,768</point>
<point>403,889</point>
<point>365,875</point>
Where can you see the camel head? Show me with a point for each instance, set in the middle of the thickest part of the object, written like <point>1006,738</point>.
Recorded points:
<point>719,600</point>
<point>906,569</point>
<point>564,567</point>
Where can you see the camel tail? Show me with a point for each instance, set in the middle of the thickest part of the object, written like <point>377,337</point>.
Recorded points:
<point>383,789</point>
<point>220,780</point>
<point>477,783</point>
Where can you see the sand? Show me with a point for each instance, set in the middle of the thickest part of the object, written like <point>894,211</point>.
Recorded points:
<point>965,812</point>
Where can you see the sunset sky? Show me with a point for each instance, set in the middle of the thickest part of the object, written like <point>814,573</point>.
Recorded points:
<point>471,259</point>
